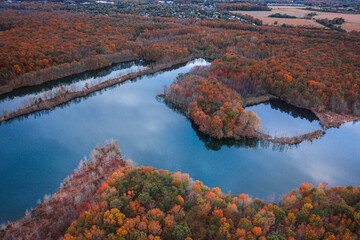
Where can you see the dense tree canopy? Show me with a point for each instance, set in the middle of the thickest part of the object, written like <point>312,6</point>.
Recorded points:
<point>215,108</point>
<point>145,203</point>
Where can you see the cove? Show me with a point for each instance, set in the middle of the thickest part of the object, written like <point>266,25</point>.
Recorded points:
<point>281,119</point>
<point>39,150</point>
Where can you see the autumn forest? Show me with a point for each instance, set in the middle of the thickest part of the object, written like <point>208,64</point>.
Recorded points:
<point>248,63</point>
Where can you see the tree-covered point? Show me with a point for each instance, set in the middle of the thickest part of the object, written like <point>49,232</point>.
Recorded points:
<point>214,107</point>
<point>144,203</point>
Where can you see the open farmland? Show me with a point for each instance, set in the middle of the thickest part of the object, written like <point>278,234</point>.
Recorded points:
<point>352,21</point>
<point>291,21</point>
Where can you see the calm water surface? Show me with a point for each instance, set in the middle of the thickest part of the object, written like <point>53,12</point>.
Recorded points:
<point>281,119</point>
<point>20,97</point>
<point>39,151</point>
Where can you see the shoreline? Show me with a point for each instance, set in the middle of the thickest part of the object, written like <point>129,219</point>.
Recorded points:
<point>50,219</point>
<point>294,139</point>
<point>280,140</point>
<point>328,119</point>
<point>66,70</point>
<point>334,120</point>
<point>251,101</point>
<point>51,103</point>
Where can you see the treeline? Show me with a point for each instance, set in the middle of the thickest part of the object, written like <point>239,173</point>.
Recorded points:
<point>332,24</point>
<point>144,203</point>
<point>243,7</point>
<point>68,69</point>
<point>279,15</point>
<point>344,6</point>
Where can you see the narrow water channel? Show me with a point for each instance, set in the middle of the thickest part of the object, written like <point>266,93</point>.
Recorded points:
<point>21,97</point>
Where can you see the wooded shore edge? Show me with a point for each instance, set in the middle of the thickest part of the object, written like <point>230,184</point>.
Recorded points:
<point>51,218</point>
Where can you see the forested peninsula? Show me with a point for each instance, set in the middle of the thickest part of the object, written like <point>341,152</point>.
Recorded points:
<point>111,198</point>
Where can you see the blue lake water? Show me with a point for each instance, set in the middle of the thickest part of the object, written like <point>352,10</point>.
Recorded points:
<point>281,119</point>
<point>40,150</point>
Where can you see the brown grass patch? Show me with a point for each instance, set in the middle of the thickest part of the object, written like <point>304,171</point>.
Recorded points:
<point>291,21</point>
<point>351,26</point>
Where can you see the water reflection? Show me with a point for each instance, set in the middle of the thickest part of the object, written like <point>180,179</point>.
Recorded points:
<point>216,144</point>
<point>20,97</point>
<point>281,119</point>
<point>295,112</point>
<point>245,142</point>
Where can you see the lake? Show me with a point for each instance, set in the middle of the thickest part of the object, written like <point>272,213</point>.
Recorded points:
<point>38,151</point>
